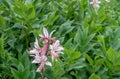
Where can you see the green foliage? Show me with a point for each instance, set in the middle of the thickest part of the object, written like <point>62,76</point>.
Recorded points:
<point>22,67</point>
<point>61,69</point>
<point>90,37</point>
<point>83,39</point>
<point>93,76</point>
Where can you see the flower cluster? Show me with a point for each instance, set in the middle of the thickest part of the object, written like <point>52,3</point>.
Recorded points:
<point>96,3</point>
<point>51,47</point>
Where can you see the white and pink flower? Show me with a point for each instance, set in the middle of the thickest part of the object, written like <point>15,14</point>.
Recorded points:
<point>51,47</point>
<point>47,37</point>
<point>43,61</point>
<point>37,49</point>
<point>55,50</point>
<point>95,3</point>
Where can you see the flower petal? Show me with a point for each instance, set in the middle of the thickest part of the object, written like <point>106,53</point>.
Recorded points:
<point>54,55</point>
<point>51,33</point>
<point>43,58</point>
<point>34,51</point>
<point>37,59</point>
<point>45,32</point>
<point>60,48</point>
<point>48,63</point>
<point>91,2</point>
<point>36,45</point>
<point>56,43</point>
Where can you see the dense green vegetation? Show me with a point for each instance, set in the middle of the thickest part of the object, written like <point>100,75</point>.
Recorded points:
<point>90,37</point>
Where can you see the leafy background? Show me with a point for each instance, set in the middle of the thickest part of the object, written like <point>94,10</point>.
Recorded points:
<point>91,38</point>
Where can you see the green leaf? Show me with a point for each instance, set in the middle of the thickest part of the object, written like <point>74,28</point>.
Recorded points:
<point>117,60</point>
<point>19,47</point>
<point>2,23</point>
<point>25,60</point>
<point>26,73</point>
<point>15,73</point>
<point>100,39</point>
<point>14,62</point>
<point>24,11</point>
<point>2,51</point>
<point>77,37</point>
<point>98,64</point>
<point>89,59</point>
<point>76,55</point>
<point>20,67</point>
<point>51,18</point>
<point>32,74</point>
<point>65,28</point>
<point>83,39</point>
<point>108,63</point>
<point>94,76</point>
<point>73,54</point>
<point>58,70</point>
<point>102,42</point>
<point>111,54</point>
<point>30,11</point>
<point>79,64</point>
<point>11,39</point>
<point>19,9</point>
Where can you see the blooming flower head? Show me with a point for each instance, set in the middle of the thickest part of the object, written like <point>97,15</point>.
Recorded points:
<point>43,61</point>
<point>56,47</point>
<point>95,3</point>
<point>51,47</point>
<point>47,37</point>
<point>55,50</point>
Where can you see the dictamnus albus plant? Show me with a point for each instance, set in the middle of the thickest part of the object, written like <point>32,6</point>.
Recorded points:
<point>51,48</point>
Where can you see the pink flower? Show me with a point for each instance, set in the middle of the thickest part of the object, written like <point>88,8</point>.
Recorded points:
<point>37,59</point>
<point>41,54</point>
<point>56,47</point>
<point>54,55</point>
<point>55,50</point>
<point>37,49</point>
<point>43,61</point>
<point>36,45</point>
<point>95,3</point>
<point>47,37</point>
